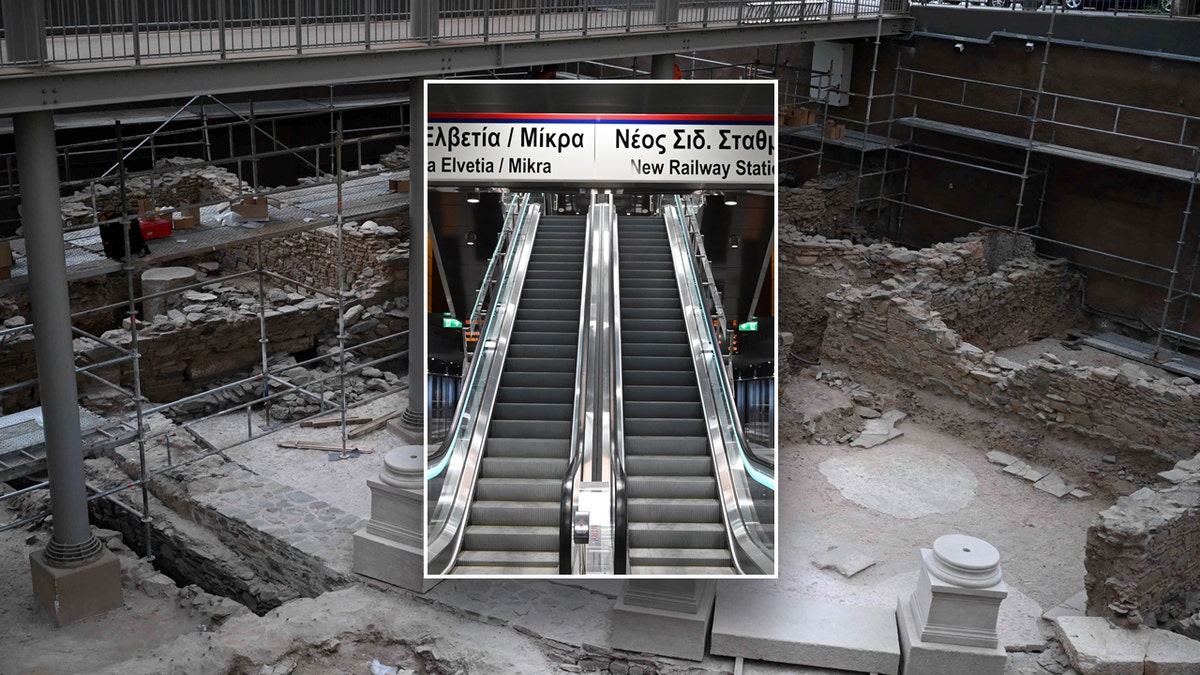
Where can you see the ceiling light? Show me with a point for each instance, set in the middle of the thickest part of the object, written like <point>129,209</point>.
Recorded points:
<point>473,197</point>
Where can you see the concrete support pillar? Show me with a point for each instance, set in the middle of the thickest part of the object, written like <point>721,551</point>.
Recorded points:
<point>412,422</point>
<point>669,617</point>
<point>391,547</point>
<point>948,625</point>
<point>662,66</point>
<point>72,577</point>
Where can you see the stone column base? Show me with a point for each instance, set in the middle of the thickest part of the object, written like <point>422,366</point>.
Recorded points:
<point>673,623</point>
<point>70,594</point>
<point>932,658</point>
<point>390,562</point>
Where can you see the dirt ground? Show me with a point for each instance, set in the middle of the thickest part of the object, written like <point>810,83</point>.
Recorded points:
<point>885,502</point>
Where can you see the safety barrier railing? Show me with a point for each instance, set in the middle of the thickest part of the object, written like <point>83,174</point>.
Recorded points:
<point>141,31</point>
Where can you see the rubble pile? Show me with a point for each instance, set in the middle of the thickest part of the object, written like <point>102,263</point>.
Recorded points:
<point>173,187</point>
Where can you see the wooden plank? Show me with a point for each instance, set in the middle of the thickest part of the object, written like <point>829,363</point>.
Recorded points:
<point>323,447</point>
<point>333,422</point>
<point>374,425</point>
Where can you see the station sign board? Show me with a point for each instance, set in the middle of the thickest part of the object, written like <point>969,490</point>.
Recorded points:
<point>617,144</point>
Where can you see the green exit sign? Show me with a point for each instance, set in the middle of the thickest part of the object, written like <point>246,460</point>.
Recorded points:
<point>747,326</point>
<point>451,322</point>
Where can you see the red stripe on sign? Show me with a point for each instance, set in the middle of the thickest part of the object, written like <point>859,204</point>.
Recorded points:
<point>590,117</point>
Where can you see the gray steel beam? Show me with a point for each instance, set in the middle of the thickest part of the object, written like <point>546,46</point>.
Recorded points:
<point>413,418</point>
<point>72,541</point>
<point>59,90</point>
<point>1152,35</point>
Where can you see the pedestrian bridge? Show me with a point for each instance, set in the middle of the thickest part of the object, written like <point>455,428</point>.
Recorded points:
<point>55,54</point>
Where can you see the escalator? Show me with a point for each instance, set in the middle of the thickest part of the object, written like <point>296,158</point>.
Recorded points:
<point>513,522</point>
<point>674,515</point>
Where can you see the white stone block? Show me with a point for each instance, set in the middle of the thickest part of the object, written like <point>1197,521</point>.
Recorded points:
<point>1096,647</point>
<point>668,617</point>
<point>806,632</point>
<point>931,658</point>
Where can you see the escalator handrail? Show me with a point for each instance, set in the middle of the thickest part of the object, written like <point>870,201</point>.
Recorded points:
<point>620,500</point>
<point>737,505</point>
<point>485,288</point>
<point>439,459</point>
<point>763,470</point>
<point>581,431</point>
<point>463,461</point>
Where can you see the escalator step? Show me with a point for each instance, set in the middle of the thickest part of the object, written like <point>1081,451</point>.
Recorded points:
<point>542,351</point>
<point>541,514</point>
<point>508,560</point>
<point>632,332</point>
<point>689,557</point>
<point>526,429</point>
<point>548,448</point>
<point>534,412</point>
<point>646,510</point>
<point>522,467</point>
<point>510,538</point>
<point>678,410</point>
<point>675,535</point>
<point>564,379</point>
<point>516,394</point>
<point>633,393</point>
<point>651,349</point>
<point>544,337</point>
<point>539,365</point>
<point>675,487</point>
<point>669,465</point>
<point>666,445</point>
<point>519,489</point>
<point>673,378</point>
<point>660,426</point>
<point>682,571</point>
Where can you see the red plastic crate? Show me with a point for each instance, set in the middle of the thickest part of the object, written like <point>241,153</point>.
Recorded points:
<point>154,228</point>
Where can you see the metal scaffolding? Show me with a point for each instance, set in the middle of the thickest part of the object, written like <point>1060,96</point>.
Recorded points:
<point>131,428</point>
<point>921,102</point>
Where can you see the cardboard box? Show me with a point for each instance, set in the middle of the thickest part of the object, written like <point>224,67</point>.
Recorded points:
<point>154,228</point>
<point>399,184</point>
<point>186,219</point>
<point>145,206</point>
<point>833,130</point>
<point>253,208</point>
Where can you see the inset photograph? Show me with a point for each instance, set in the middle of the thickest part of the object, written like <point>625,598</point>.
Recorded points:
<point>601,328</point>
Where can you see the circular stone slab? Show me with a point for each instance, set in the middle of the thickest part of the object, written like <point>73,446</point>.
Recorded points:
<point>966,561</point>
<point>902,482</point>
<point>404,467</point>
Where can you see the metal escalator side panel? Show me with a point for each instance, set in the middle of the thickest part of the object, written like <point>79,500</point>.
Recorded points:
<point>464,458</point>
<point>751,553</point>
<point>620,497</point>
<point>582,428</point>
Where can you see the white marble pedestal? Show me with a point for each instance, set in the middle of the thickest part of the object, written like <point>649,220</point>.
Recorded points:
<point>391,547</point>
<point>948,625</point>
<point>668,617</point>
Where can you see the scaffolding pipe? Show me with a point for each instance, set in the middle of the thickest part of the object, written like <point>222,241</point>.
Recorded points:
<point>341,281</point>
<point>72,541</point>
<point>133,346</point>
<point>1168,300</point>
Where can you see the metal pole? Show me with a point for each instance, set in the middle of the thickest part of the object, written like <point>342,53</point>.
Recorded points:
<point>341,281</point>
<point>133,342</point>
<point>72,541</point>
<point>413,418</point>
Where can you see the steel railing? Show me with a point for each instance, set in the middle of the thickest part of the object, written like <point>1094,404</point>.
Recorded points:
<point>144,31</point>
